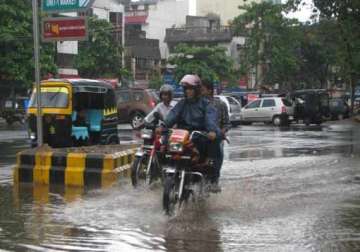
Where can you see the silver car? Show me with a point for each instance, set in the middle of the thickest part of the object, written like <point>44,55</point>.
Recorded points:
<point>233,106</point>
<point>276,110</point>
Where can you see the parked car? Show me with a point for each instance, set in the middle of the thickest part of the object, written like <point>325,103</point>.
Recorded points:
<point>276,110</point>
<point>233,106</point>
<point>14,109</point>
<point>339,109</point>
<point>134,104</point>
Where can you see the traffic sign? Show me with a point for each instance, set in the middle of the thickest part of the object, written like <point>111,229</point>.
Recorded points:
<point>66,5</point>
<point>64,28</point>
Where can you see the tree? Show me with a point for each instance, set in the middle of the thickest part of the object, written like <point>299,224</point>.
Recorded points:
<point>318,51</point>
<point>16,46</point>
<point>344,16</point>
<point>100,55</point>
<point>272,44</point>
<point>210,63</point>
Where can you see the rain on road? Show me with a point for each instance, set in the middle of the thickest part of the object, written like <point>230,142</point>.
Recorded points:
<point>291,189</point>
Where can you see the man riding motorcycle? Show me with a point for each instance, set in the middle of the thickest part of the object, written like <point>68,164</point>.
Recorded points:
<point>195,112</point>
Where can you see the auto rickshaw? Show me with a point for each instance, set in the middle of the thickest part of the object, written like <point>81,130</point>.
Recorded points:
<point>311,105</point>
<point>75,112</point>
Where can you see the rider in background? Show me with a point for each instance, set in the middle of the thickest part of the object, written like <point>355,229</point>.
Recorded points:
<point>207,90</point>
<point>195,112</point>
<point>164,107</point>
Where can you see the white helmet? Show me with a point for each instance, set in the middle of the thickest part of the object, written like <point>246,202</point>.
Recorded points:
<point>166,89</point>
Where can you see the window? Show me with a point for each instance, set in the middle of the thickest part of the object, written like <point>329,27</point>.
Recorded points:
<point>286,103</point>
<point>138,96</point>
<point>232,101</point>
<point>123,97</point>
<point>109,99</point>
<point>254,104</point>
<point>51,97</point>
<point>268,103</point>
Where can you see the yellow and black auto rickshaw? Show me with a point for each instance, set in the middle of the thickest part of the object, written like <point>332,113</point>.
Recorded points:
<point>75,112</point>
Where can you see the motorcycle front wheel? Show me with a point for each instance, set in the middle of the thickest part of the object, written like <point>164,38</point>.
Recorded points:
<point>169,195</point>
<point>138,171</point>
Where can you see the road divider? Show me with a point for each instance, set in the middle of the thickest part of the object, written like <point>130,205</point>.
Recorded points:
<point>74,167</point>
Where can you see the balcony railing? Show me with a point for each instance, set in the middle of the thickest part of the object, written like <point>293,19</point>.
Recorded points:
<point>198,34</point>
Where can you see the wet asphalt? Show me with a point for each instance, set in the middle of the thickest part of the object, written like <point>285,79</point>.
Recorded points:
<point>283,189</point>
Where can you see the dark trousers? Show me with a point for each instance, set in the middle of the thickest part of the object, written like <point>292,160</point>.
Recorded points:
<point>218,162</point>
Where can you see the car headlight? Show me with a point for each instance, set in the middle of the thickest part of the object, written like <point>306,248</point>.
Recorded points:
<point>146,134</point>
<point>32,136</point>
<point>176,147</point>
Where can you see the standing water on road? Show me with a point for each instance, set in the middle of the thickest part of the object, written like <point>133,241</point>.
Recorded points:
<point>291,189</point>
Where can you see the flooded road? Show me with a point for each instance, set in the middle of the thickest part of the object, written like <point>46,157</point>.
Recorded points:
<point>291,189</point>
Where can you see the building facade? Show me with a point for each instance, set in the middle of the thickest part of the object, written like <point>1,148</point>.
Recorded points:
<point>150,18</point>
<point>226,9</point>
<point>206,31</point>
<point>110,10</point>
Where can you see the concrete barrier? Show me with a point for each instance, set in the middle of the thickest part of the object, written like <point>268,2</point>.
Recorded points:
<point>73,168</point>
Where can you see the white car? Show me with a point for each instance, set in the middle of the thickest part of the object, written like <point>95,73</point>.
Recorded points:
<point>233,106</point>
<point>276,110</point>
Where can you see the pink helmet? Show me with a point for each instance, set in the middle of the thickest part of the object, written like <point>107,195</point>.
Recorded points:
<point>190,80</point>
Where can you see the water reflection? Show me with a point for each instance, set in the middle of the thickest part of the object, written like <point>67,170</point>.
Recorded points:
<point>193,230</point>
<point>48,218</point>
<point>258,143</point>
<point>339,229</point>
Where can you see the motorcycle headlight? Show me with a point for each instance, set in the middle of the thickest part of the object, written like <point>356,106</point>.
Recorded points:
<point>146,134</point>
<point>176,147</point>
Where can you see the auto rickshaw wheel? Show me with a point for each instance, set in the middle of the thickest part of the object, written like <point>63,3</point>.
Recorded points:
<point>307,121</point>
<point>113,140</point>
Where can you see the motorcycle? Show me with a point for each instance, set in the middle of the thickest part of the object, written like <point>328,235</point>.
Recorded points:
<point>146,167</point>
<point>186,173</point>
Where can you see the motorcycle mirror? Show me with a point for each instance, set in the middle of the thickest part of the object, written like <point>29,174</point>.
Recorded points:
<point>157,116</point>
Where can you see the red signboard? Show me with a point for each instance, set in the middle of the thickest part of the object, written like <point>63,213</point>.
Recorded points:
<point>135,19</point>
<point>252,97</point>
<point>61,29</point>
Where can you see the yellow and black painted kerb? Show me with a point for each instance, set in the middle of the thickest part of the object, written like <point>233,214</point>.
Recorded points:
<point>72,169</point>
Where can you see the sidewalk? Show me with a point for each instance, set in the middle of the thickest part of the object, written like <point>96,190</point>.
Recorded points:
<point>355,121</point>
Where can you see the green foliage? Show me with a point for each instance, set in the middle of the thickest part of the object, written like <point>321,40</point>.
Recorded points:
<point>155,81</point>
<point>346,16</point>
<point>210,63</point>
<point>16,45</point>
<point>273,42</point>
<point>100,56</point>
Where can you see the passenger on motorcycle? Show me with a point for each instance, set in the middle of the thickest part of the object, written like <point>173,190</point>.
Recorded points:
<point>195,112</point>
<point>207,90</point>
<point>164,107</point>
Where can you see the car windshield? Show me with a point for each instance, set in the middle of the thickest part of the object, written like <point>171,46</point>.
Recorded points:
<point>51,97</point>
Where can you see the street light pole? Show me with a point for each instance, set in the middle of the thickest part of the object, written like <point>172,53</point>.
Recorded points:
<point>37,71</point>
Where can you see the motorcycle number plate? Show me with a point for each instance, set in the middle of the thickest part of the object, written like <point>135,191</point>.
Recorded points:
<point>169,170</point>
